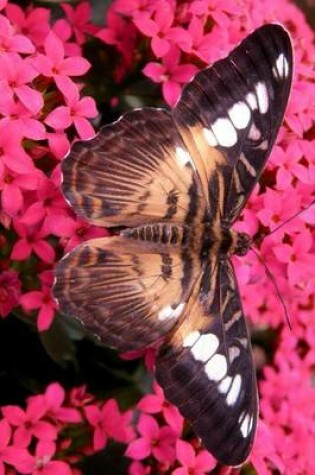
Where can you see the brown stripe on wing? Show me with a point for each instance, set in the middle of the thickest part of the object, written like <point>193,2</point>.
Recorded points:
<point>126,292</point>
<point>135,171</point>
<point>210,162</point>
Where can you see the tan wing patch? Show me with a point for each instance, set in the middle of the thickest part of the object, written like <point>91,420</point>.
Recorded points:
<point>128,293</point>
<point>207,157</point>
<point>137,170</point>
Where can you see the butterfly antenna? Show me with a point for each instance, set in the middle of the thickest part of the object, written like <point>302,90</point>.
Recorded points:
<point>291,217</point>
<point>271,277</point>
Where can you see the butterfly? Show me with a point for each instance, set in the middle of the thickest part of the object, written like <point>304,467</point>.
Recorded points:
<point>174,182</point>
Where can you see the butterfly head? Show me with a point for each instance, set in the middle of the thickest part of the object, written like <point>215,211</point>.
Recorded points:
<point>242,244</point>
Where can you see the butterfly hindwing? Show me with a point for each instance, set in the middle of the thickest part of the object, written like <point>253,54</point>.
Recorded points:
<point>236,107</point>
<point>206,367</point>
<point>126,293</point>
<point>135,171</point>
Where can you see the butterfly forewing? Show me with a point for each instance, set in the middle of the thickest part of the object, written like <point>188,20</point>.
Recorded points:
<point>142,173</point>
<point>236,107</point>
<point>177,181</point>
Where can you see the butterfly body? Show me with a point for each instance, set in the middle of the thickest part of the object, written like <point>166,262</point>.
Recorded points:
<point>176,181</point>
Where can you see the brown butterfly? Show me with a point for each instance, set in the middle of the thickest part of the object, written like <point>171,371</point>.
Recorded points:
<point>176,181</point>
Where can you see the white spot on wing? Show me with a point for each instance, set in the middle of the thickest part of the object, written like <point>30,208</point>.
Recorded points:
<point>234,390</point>
<point>252,101</point>
<point>205,347</point>
<point>224,132</point>
<point>191,339</point>
<point>234,352</point>
<point>246,425</point>
<point>183,156</point>
<point>251,424</point>
<point>170,312</point>
<point>254,133</point>
<point>225,384</point>
<point>210,138</point>
<point>216,368</point>
<point>240,115</point>
<point>262,96</point>
<point>281,68</point>
<point>264,145</point>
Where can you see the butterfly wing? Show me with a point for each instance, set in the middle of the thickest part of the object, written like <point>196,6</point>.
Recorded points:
<point>127,294</point>
<point>135,171</point>
<point>206,367</point>
<point>236,107</point>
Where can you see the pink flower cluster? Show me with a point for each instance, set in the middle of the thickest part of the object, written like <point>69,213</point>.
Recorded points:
<point>43,108</point>
<point>56,430</point>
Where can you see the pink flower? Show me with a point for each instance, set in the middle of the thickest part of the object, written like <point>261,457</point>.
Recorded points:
<point>55,399</point>
<point>159,28</point>
<point>75,112</point>
<point>202,43</point>
<point>49,201</point>
<point>264,451</point>
<point>15,76</point>
<point>79,19</point>
<point>10,42</point>
<point>148,354</point>
<point>59,144</point>
<point>298,256</point>
<point>62,29</point>
<point>120,33</point>
<point>192,464</point>
<point>12,185</point>
<point>137,468</point>
<point>30,423</point>
<point>79,397</point>
<point>5,437</point>
<point>216,10</point>
<point>134,7</point>
<point>33,22</point>
<point>12,154</point>
<point>75,231</point>
<point>43,464</point>
<point>155,440</point>
<point>10,291</point>
<point>42,300</point>
<point>171,74</point>
<point>11,455</point>
<point>22,119</point>
<point>53,63</point>
<point>107,421</point>
<point>32,239</point>
<point>277,207</point>
<point>155,403</point>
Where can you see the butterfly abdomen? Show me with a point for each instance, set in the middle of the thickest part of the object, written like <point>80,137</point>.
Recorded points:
<point>161,233</point>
